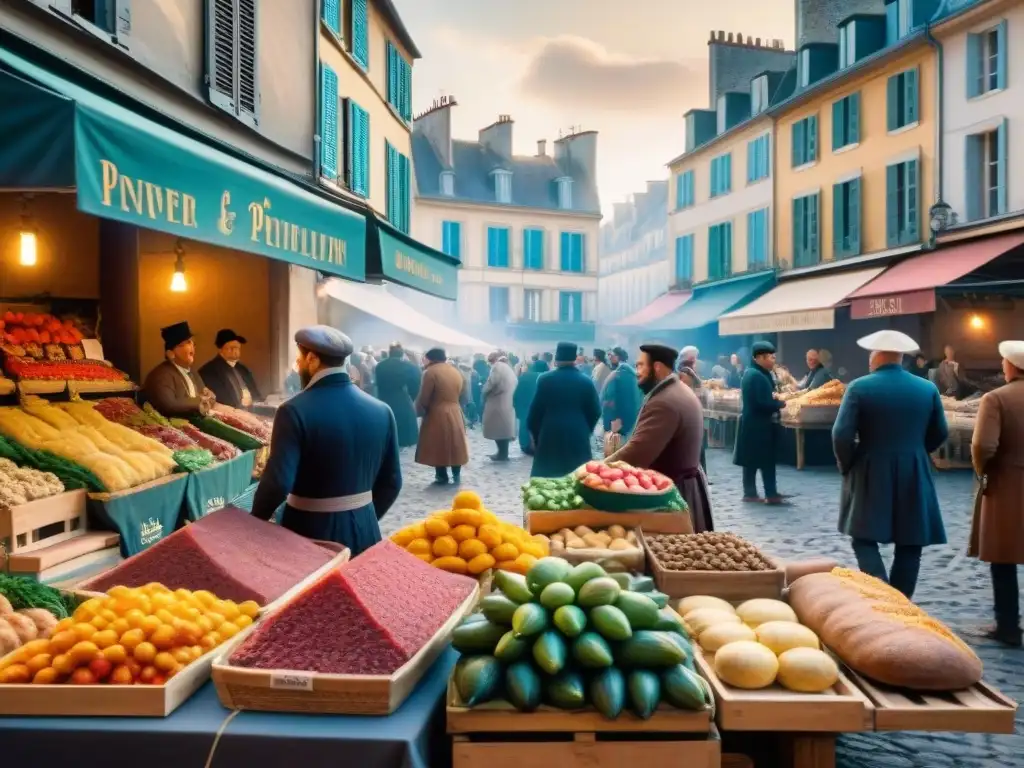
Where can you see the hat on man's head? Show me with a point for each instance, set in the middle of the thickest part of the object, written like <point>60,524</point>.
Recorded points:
<point>689,353</point>
<point>565,352</point>
<point>324,340</point>
<point>888,341</point>
<point>762,348</point>
<point>226,336</point>
<point>176,334</point>
<point>436,355</point>
<point>620,353</point>
<point>660,353</point>
<point>1014,352</point>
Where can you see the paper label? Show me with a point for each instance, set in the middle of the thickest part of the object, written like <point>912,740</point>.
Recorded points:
<point>293,681</point>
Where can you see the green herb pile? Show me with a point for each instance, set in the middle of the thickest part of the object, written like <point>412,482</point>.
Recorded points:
<point>72,475</point>
<point>25,593</point>
<point>193,459</point>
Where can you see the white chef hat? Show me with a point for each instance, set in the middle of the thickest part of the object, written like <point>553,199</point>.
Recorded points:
<point>888,341</point>
<point>1013,351</point>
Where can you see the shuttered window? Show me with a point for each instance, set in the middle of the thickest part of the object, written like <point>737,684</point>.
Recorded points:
<point>720,251</point>
<point>572,251</point>
<point>846,121</point>
<point>398,188</point>
<point>360,33</point>
<point>111,16</point>
<point>497,247</point>
<point>986,173</point>
<point>684,190</point>
<point>399,83</point>
<point>986,61</point>
<point>232,71</point>
<point>684,259</point>
<point>533,248</point>
<point>757,239</point>
<point>721,175</point>
<point>328,123</point>
<point>805,141</point>
<point>902,100</point>
<point>330,12</point>
<point>902,204</point>
<point>531,305</point>
<point>806,235</point>
<point>846,205</point>
<point>570,306</point>
<point>451,238</point>
<point>358,149</point>
<point>758,158</point>
<point>498,310</point>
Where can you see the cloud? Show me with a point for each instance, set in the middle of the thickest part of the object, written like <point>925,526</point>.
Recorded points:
<point>579,73</point>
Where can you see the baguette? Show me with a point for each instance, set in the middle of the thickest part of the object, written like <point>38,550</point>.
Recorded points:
<point>880,634</point>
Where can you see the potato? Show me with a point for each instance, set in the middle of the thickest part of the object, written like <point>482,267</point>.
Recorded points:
<point>44,620</point>
<point>23,626</point>
<point>5,606</point>
<point>566,534</point>
<point>557,537</point>
<point>582,530</point>
<point>576,544</point>
<point>603,536</point>
<point>557,546</point>
<point>619,545</point>
<point>593,541</point>
<point>9,640</point>
<point>617,532</point>
<point>631,536</point>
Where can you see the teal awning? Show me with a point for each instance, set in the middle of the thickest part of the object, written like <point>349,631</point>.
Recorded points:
<point>581,333</point>
<point>394,256</point>
<point>55,134</point>
<point>713,300</point>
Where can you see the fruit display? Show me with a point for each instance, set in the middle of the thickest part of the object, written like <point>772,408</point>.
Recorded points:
<point>724,399</point>
<point>619,487</point>
<point>876,631</point>
<point>26,368</point>
<point>571,638</point>
<point>29,611</point>
<point>141,636</point>
<point>470,539</point>
<point>553,494</point>
<point>229,553</point>
<point>243,421</point>
<point>38,329</point>
<point>369,616</point>
<point>123,411</point>
<point>220,429</point>
<point>20,485</point>
<point>71,475</point>
<point>707,551</point>
<point>222,450</point>
<point>613,547</point>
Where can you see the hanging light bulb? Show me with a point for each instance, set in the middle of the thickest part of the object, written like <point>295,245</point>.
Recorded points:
<point>28,249</point>
<point>178,284</point>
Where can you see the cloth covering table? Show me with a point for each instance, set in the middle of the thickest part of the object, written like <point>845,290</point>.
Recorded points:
<point>412,737</point>
<point>212,488</point>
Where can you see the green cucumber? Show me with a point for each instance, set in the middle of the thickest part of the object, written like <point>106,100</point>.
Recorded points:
<point>608,692</point>
<point>522,686</point>
<point>477,637</point>
<point>549,652</point>
<point>682,688</point>
<point>513,586</point>
<point>566,690</point>
<point>583,573</point>
<point>473,618</point>
<point>622,579</point>
<point>670,621</point>
<point>477,679</point>
<point>592,651</point>
<point>641,611</point>
<point>546,571</point>
<point>642,584</point>
<point>660,598</point>
<point>611,622</point>
<point>601,591</point>
<point>644,692</point>
<point>498,608</point>
<point>529,619</point>
<point>511,648</point>
<point>570,620</point>
<point>557,594</point>
<point>647,648</point>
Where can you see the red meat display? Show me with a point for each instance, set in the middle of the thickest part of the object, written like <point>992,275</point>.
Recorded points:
<point>229,553</point>
<point>367,617</point>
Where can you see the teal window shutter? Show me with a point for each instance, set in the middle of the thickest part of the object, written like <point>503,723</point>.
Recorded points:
<point>565,251</point>
<point>1001,41</point>
<point>799,235</point>
<point>359,150</point>
<point>853,118</point>
<point>679,258</point>
<point>853,217</point>
<point>581,252</point>
<point>974,173</point>
<point>727,260</point>
<point>973,66</point>
<point>360,33</point>
<point>393,77</point>
<point>713,252</point>
<point>389,182</point>
<point>691,188</point>
<point>406,192</point>
<point>679,190</point>
<point>406,82</point>
<point>838,125</point>
<point>912,205</point>
<point>1001,168</point>
<point>714,177</point>
<point>727,171</point>
<point>328,122</point>
<point>892,206</point>
<point>798,143</point>
<point>812,138</point>
<point>892,103</point>
<point>503,240</point>
<point>451,238</point>
<point>751,160</point>
<point>813,236</point>
<point>910,96</point>
<point>838,222</point>
<point>330,12</point>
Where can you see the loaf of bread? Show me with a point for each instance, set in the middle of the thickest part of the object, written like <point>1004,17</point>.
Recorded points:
<point>878,633</point>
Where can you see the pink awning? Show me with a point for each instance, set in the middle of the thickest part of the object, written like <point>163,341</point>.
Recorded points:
<point>657,309</point>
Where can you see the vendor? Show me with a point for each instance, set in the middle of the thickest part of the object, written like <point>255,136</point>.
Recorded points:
<point>173,388</point>
<point>229,378</point>
<point>817,374</point>
<point>948,377</point>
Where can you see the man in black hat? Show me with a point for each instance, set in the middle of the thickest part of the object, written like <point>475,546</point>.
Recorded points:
<point>230,379</point>
<point>759,427</point>
<point>173,387</point>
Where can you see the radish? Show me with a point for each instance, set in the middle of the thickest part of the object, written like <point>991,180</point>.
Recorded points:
<point>618,485</point>
<point>593,466</point>
<point>645,483</point>
<point>631,481</point>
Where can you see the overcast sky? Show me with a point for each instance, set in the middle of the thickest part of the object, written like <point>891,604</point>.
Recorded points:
<point>626,69</point>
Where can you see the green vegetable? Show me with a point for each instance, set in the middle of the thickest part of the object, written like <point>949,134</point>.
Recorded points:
<point>546,571</point>
<point>670,621</point>
<point>193,459</point>
<point>522,686</point>
<point>556,595</point>
<point>477,637</point>
<point>608,692</point>
<point>644,692</point>
<point>477,679</point>
<point>549,652</point>
<point>23,593</point>
<point>498,608</point>
<point>591,651</point>
<point>611,622</point>
<point>566,691</point>
<point>216,428</point>
<point>602,591</point>
<point>641,611</point>
<point>642,584</point>
<point>624,580</point>
<point>682,688</point>
<point>660,598</point>
<point>583,573</point>
<point>570,620</point>
<point>513,586</point>
<point>529,619</point>
<point>647,648</point>
<point>511,648</point>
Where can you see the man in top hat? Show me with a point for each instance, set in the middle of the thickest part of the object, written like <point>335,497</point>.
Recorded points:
<point>889,423</point>
<point>227,376</point>
<point>334,451</point>
<point>173,387</point>
<point>621,397</point>
<point>759,427</point>
<point>669,432</point>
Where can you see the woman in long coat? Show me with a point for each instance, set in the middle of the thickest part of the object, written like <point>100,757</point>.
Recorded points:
<point>442,443</point>
<point>499,415</point>
<point>526,390</point>
<point>997,530</point>
<point>398,384</point>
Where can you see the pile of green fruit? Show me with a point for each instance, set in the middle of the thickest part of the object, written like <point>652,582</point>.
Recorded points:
<point>553,494</point>
<point>573,637</point>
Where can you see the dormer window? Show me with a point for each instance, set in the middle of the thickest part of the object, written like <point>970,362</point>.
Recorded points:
<point>758,95</point>
<point>448,183</point>
<point>503,186</point>
<point>565,193</point>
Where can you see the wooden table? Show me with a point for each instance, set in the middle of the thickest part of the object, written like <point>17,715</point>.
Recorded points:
<point>799,427</point>
<point>955,453</point>
<point>721,433</point>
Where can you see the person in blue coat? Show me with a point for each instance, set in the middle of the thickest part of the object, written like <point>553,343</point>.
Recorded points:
<point>759,427</point>
<point>333,452</point>
<point>562,417</point>
<point>398,384</point>
<point>889,423</point>
<point>522,399</point>
<point>621,395</point>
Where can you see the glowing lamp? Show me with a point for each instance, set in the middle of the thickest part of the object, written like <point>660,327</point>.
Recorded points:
<point>178,284</point>
<point>28,250</point>
<point>977,322</point>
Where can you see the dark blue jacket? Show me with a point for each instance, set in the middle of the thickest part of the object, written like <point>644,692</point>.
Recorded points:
<point>819,377</point>
<point>562,418</point>
<point>522,399</point>
<point>398,384</point>
<point>758,430</point>
<point>622,399</point>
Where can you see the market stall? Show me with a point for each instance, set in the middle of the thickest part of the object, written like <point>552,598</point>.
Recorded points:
<point>721,414</point>
<point>961,416</point>
<point>809,411</point>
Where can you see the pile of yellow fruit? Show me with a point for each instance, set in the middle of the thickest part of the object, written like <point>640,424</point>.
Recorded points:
<point>470,539</point>
<point>144,636</point>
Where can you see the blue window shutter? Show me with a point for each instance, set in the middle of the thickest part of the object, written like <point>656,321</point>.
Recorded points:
<point>892,206</point>
<point>837,125</point>
<point>581,252</point>
<point>853,217</point>
<point>679,258</point>
<point>679,191</point>
<point>360,33</point>
<point>457,240</point>
<point>853,118</point>
<point>691,188</point>
<point>491,242</point>
<point>504,249</point>
<point>359,149</point>
<point>1001,41</point>
<point>973,65</point>
<point>768,155</point>
<point>812,138</point>
<point>727,265</point>
<point>892,103</point>
<point>798,143</point>
<point>563,251</point>
<point>393,77</point>
<point>328,122</point>
<point>913,206</point>
<point>813,234</point>
<point>910,97</point>
<point>1001,142</point>
<point>389,181</point>
<point>406,89</point>
<point>727,171</point>
<point>330,12</point>
<point>445,238</point>
<point>838,221</point>
<point>973,146</point>
<point>714,177</point>
<point>406,190</point>
<point>712,252</point>
<point>527,254</point>
<point>751,161</point>
<point>799,236</point>
<point>540,241</point>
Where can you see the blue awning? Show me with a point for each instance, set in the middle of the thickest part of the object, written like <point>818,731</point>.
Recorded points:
<point>394,256</point>
<point>711,301</point>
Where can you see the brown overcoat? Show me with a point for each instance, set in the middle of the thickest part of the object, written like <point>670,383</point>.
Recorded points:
<point>442,440</point>
<point>667,438</point>
<point>997,452</point>
<point>165,389</point>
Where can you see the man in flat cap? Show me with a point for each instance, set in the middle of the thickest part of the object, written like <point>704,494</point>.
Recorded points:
<point>889,423</point>
<point>227,376</point>
<point>620,397</point>
<point>398,384</point>
<point>173,387</point>
<point>334,451</point>
<point>670,432</point>
<point>759,427</point>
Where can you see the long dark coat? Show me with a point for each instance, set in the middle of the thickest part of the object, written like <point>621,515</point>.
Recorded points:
<point>759,429</point>
<point>398,384</point>
<point>889,423</point>
<point>621,399</point>
<point>561,420</point>
<point>526,390</point>
<point>223,381</point>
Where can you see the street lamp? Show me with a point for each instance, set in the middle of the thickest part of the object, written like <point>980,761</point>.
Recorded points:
<point>178,283</point>
<point>940,217</point>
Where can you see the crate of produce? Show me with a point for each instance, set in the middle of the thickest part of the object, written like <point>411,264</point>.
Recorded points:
<point>653,521</point>
<point>814,414</point>
<point>382,620</point>
<point>718,564</point>
<point>43,522</point>
<point>614,547</point>
<point>618,487</point>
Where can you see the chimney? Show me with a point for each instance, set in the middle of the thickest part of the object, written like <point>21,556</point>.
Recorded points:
<point>576,153</point>
<point>542,148</point>
<point>497,137</point>
<point>436,124</point>
<point>734,59</point>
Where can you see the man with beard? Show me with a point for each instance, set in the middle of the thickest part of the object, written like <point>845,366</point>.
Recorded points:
<point>398,384</point>
<point>334,451</point>
<point>669,432</point>
<point>759,427</point>
<point>621,396</point>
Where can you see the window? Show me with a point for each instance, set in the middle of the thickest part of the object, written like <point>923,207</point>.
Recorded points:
<point>806,243</point>
<point>570,306</point>
<point>986,174</point>
<point>232,74</point>
<point>531,305</point>
<point>358,154</point>
<point>720,251</point>
<point>533,249</point>
<point>451,238</point>
<point>565,194</point>
<point>399,83</point>
<point>399,188</point>
<point>902,209</point>
<point>497,246</point>
<point>803,68</point>
<point>758,95</point>
<point>846,121</point>
<point>846,219</point>
<point>805,141</point>
<point>758,160</point>
<point>847,45</point>
<point>328,123</point>
<point>498,305</point>
<point>901,100</point>
<point>986,61</point>
<point>503,186</point>
<point>359,32</point>
<point>573,256</point>
<point>721,175</point>
<point>684,259</point>
<point>448,183</point>
<point>757,239</point>
<point>684,190</point>
<point>110,16</point>
<point>898,19</point>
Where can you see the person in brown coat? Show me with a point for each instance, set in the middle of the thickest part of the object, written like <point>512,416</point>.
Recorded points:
<point>174,388</point>
<point>997,529</point>
<point>669,432</point>
<point>442,442</point>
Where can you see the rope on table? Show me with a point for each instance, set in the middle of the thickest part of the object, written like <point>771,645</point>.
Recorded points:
<point>220,732</point>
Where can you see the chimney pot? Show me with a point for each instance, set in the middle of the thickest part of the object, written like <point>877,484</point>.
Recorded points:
<point>730,37</point>
<point>542,148</point>
<point>757,42</point>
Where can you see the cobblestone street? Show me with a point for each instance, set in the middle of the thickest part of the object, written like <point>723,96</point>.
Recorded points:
<point>953,588</point>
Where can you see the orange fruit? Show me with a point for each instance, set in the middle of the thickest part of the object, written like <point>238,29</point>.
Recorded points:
<point>158,679</point>
<point>210,641</point>
<point>100,668</point>
<point>120,626</point>
<point>105,638</point>
<point>467,500</point>
<point>187,633</point>
<point>205,624</point>
<point>121,675</point>
<point>83,631</point>
<point>135,617</point>
<point>250,608</point>
<point>108,614</point>
<point>38,662</point>
<point>151,624</point>
<point>182,655</point>
<point>243,621</point>
<point>228,629</point>
<point>63,664</point>
<point>63,625</point>
<point>205,597</point>
<point>83,676</point>
<point>171,673</point>
<point>164,661</point>
<point>84,652</point>
<point>132,638</point>
<point>215,618</point>
<point>144,653</point>
<point>165,616</point>
<point>46,676</point>
<point>147,674</point>
<point>164,637</point>
<point>99,622</point>
<point>115,654</point>
<point>16,674</point>
<point>63,641</point>
<point>134,666</point>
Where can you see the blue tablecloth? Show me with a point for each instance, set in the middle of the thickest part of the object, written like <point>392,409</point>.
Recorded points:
<point>412,737</point>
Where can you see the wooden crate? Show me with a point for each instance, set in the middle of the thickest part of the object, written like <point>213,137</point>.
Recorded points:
<point>310,692</point>
<point>978,709</point>
<point>44,558</point>
<point>43,522</point>
<point>841,709</point>
<point>728,585</point>
<point>544,521</point>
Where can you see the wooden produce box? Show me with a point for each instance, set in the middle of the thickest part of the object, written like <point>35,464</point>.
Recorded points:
<point>315,693</point>
<point>728,585</point>
<point>43,522</point>
<point>841,709</point>
<point>547,522</point>
<point>45,558</point>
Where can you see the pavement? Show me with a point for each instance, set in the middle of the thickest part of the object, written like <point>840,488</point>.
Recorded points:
<point>953,588</point>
